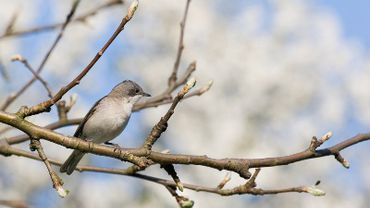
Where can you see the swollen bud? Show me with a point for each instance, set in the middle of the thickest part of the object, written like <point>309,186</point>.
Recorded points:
<point>61,191</point>
<point>191,83</point>
<point>314,191</point>
<point>132,9</point>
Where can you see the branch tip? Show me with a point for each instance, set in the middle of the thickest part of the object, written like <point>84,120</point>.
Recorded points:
<point>61,191</point>
<point>225,180</point>
<point>326,137</point>
<point>180,186</point>
<point>341,160</point>
<point>207,87</point>
<point>190,83</point>
<point>186,203</point>
<point>313,191</point>
<point>17,57</point>
<point>132,9</point>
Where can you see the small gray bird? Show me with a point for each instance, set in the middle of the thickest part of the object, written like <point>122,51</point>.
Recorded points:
<point>106,119</point>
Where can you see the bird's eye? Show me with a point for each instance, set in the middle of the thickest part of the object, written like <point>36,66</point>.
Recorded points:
<point>137,91</point>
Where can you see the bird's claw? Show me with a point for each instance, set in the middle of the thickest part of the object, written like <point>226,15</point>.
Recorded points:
<point>112,144</point>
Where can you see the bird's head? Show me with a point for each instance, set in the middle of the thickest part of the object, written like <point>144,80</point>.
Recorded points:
<point>130,90</point>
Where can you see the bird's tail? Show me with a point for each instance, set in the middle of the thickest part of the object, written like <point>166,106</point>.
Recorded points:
<point>72,161</point>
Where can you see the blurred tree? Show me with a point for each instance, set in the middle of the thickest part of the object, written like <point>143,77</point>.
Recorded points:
<point>282,72</point>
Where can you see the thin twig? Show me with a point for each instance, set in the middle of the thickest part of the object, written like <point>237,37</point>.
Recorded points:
<point>45,106</point>
<point>34,73</point>
<point>182,201</point>
<point>150,104</point>
<point>81,18</point>
<point>10,99</point>
<point>161,126</point>
<point>173,77</point>
<point>3,72</point>
<point>82,168</point>
<point>224,181</point>
<point>76,121</point>
<point>57,182</point>
<point>137,107</point>
<point>10,26</point>
<point>14,203</point>
<point>165,97</point>
<point>170,169</point>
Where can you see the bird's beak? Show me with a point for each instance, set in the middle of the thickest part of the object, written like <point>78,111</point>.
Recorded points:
<point>146,94</point>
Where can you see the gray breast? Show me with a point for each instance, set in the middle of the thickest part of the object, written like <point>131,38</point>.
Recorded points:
<point>108,121</point>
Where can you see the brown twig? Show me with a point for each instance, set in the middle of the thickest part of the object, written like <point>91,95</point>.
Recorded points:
<point>9,150</point>
<point>3,72</point>
<point>57,182</point>
<point>251,183</point>
<point>315,143</point>
<point>161,126</point>
<point>81,18</point>
<point>34,73</point>
<point>166,94</point>
<point>45,106</point>
<point>10,99</point>
<point>52,126</point>
<point>151,103</point>
<point>341,160</point>
<point>170,169</point>
<point>14,203</point>
<point>237,165</point>
<point>10,26</point>
<point>182,201</point>
<point>224,181</point>
<point>173,77</point>
<point>137,107</point>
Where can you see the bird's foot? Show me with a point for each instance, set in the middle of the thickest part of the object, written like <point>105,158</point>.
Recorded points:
<point>112,144</point>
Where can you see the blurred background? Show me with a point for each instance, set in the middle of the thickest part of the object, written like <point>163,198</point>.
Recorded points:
<point>283,72</point>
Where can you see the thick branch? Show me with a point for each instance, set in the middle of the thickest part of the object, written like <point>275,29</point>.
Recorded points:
<point>9,150</point>
<point>237,165</point>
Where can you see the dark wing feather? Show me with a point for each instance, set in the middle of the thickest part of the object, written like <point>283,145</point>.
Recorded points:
<point>78,132</point>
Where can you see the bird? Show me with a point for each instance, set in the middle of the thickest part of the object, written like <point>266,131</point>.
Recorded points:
<point>106,119</point>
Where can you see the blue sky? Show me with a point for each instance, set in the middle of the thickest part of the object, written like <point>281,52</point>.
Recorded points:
<point>354,17</point>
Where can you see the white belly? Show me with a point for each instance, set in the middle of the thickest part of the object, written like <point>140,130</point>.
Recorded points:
<point>107,122</point>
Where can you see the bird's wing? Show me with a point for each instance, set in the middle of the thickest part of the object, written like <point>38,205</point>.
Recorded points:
<point>78,132</point>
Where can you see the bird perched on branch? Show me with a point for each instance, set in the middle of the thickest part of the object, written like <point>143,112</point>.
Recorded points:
<point>106,119</point>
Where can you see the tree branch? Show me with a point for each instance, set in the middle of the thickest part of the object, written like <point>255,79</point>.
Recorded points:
<point>237,165</point>
<point>34,73</point>
<point>9,150</point>
<point>173,77</point>
<point>57,182</point>
<point>10,99</point>
<point>161,126</point>
<point>81,18</point>
<point>45,106</point>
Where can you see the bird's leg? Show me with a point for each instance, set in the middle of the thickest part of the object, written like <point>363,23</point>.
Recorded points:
<point>112,144</point>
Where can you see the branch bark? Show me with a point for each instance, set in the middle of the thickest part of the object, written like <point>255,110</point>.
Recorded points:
<point>10,99</point>
<point>81,18</point>
<point>237,165</point>
<point>45,106</point>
